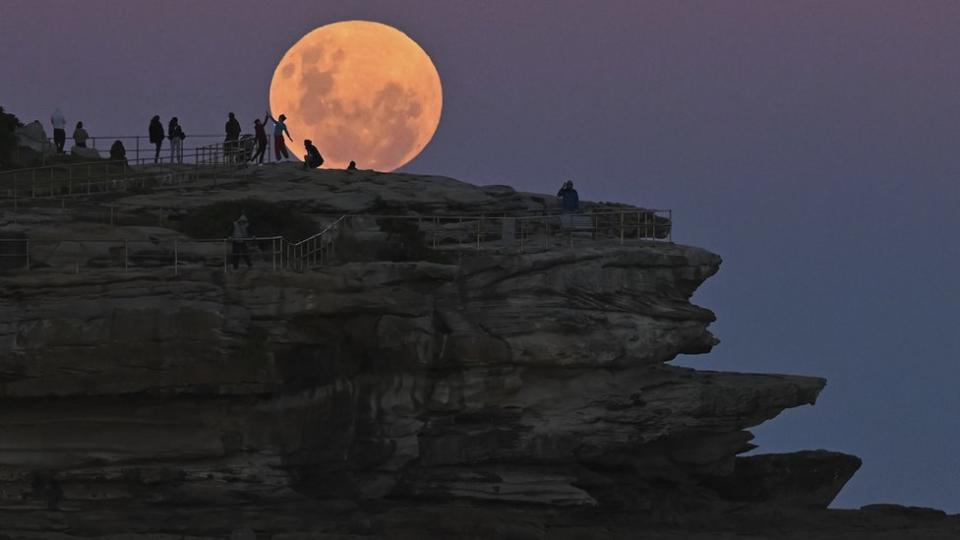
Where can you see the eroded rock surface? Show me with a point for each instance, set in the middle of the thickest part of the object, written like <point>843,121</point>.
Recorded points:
<point>483,396</point>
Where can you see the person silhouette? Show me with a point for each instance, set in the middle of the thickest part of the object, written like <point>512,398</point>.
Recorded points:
<point>59,129</point>
<point>175,133</point>
<point>80,136</point>
<point>232,129</point>
<point>279,129</point>
<point>570,200</point>
<point>240,235</point>
<point>260,132</point>
<point>156,136</point>
<point>313,159</point>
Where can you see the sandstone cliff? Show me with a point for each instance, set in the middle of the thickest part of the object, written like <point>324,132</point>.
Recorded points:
<point>466,394</point>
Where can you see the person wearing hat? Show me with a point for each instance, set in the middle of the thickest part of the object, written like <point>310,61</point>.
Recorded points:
<point>240,235</point>
<point>313,159</point>
<point>279,129</point>
<point>570,201</point>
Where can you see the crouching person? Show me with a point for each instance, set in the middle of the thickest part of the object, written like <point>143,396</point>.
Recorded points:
<point>313,159</point>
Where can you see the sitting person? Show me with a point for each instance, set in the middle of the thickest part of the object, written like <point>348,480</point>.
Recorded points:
<point>80,136</point>
<point>313,159</point>
<point>118,152</point>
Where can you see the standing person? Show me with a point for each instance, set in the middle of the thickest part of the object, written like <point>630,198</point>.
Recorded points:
<point>240,236</point>
<point>59,129</point>
<point>261,136</point>
<point>313,159</point>
<point>175,133</point>
<point>156,136</point>
<point>80,136</point>
<point>233,130</point>
<point>279,128</point>
<point>569,199</point>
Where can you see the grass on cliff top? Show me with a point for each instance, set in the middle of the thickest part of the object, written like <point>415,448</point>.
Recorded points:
<point>266,219</point>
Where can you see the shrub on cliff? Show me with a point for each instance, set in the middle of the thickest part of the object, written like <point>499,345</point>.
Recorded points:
<point>8,140</point>
<point>266,219</point>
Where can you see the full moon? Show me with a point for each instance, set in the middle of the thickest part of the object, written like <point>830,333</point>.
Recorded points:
<point>361,91</point>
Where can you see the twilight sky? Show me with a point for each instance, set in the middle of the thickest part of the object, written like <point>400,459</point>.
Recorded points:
<point>813,144</point>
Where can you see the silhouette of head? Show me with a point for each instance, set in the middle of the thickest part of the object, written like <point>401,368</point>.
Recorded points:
<point>174,120</point>
<point>230,115</point>
<point>79,125</point>
<point>156,118</point>
<point>307,142</point>
<point>568,183</point>
<point>283,117</point>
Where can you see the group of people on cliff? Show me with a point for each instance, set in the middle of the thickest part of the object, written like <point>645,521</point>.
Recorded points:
<point>174,133</point>
<point>59,122</point>
<point>80,136</point>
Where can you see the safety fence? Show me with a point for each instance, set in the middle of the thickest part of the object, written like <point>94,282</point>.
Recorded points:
<point>460,235</point>
<point>56,255</point>
<point>138,148</point>
<point>87,178</point>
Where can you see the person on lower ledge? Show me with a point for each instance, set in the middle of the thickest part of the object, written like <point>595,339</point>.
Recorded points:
<point>313,159</point>
<point>240,236</point>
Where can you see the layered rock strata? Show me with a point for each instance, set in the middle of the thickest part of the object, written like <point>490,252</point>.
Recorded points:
<point>481,396</point>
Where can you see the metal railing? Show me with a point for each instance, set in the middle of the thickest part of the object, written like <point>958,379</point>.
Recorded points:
<point>86,178</point>
<point>314,250</point>
<point>464,234</point>
<point>139,150</point>
<point>505,234</point>
<point>174,255</point>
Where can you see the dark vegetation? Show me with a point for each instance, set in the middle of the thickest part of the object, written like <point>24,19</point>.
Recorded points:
<point>266,219</point>
<point>8,140</point>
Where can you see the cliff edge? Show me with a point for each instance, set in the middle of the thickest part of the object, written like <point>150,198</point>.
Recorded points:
<point>413,384</point>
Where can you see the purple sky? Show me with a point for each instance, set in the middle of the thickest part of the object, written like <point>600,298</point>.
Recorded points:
<point>813,144</point>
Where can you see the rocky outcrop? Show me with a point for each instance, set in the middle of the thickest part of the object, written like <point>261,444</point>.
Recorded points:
<point>482,396</point>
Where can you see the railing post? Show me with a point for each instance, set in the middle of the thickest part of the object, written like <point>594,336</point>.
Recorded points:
<point>621,227</point>
<point>176,258</point>
<point>126,256</point>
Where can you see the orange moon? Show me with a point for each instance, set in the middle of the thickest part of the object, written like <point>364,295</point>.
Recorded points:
<point>361,91</point>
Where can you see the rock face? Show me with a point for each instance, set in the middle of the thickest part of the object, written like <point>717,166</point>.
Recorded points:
<point>487,396</point>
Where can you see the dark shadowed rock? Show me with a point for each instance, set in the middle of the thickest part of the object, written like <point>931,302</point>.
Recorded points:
<point>802,479</point>
<point>403,392</point>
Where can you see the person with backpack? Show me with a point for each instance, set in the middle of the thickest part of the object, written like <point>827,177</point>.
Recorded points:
<point>260,131</point>
<point>80,136</point>
<point>313,159</point>
<point>156,136</point>
<point>233,129</point>
<point>175,133</point>
<point>279,129</point>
